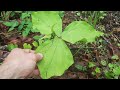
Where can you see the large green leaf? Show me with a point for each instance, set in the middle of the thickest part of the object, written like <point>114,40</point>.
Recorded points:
<point>57,58</point>
<point>46,22</point>
<point>79,30</point>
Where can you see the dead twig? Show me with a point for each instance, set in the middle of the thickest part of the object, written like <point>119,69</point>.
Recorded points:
<point>116,37</point>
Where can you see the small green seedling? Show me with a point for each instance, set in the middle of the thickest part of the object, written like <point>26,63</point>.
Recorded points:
<point>115,57</point>
<point>57,55</point>
<point>91,64</point>
<point>93,17</point>
<point>25,25</point>
<point>25,15</point>
<point>11,46</point>
<point>81,68</point>
<point>118,44</point>
<point>97,70</point>
<point>103,62</point>
<point>35,44</point>
<point>110,65</point>
<point>27,46</point>
<point>11,24</point>
<point>113,72</point>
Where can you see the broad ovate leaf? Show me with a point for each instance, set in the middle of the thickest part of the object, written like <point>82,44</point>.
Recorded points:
<point>47,22</point>
<point>80,30</point>
<point>57,58</point>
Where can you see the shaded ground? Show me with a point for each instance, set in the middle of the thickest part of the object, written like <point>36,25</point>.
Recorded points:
<point>103,49</point>
<point>97,51</point>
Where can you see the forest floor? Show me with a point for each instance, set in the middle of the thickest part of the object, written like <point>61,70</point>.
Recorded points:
<point>87,57</point>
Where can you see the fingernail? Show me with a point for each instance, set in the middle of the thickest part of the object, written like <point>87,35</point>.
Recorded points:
<point>40,55</point>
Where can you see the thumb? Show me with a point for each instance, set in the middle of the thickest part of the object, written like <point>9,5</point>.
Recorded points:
<point>39,56</point>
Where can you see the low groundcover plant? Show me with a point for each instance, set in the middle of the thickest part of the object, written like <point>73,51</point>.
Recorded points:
<point>57,55</point>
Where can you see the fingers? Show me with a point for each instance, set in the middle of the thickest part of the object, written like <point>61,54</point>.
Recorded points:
<point>28,51</point>
<point>25,50</point>
<point>36,57</point>
<point>39,56</point>
<point>31,53</point>
<point>34,73</point>
<point>16,49</point>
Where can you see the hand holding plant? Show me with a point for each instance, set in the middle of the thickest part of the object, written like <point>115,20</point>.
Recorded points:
<point>20,63</point>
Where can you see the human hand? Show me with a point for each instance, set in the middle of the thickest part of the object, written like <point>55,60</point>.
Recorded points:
<point>23,62</point>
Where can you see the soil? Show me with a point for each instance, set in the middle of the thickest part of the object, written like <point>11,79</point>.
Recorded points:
<point>94,52</point>
<point>108,49</point>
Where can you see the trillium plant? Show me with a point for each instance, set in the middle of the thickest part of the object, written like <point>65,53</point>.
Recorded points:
<point>57,55</point>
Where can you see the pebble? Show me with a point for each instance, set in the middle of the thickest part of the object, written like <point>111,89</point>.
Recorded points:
<point>3,47</point>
